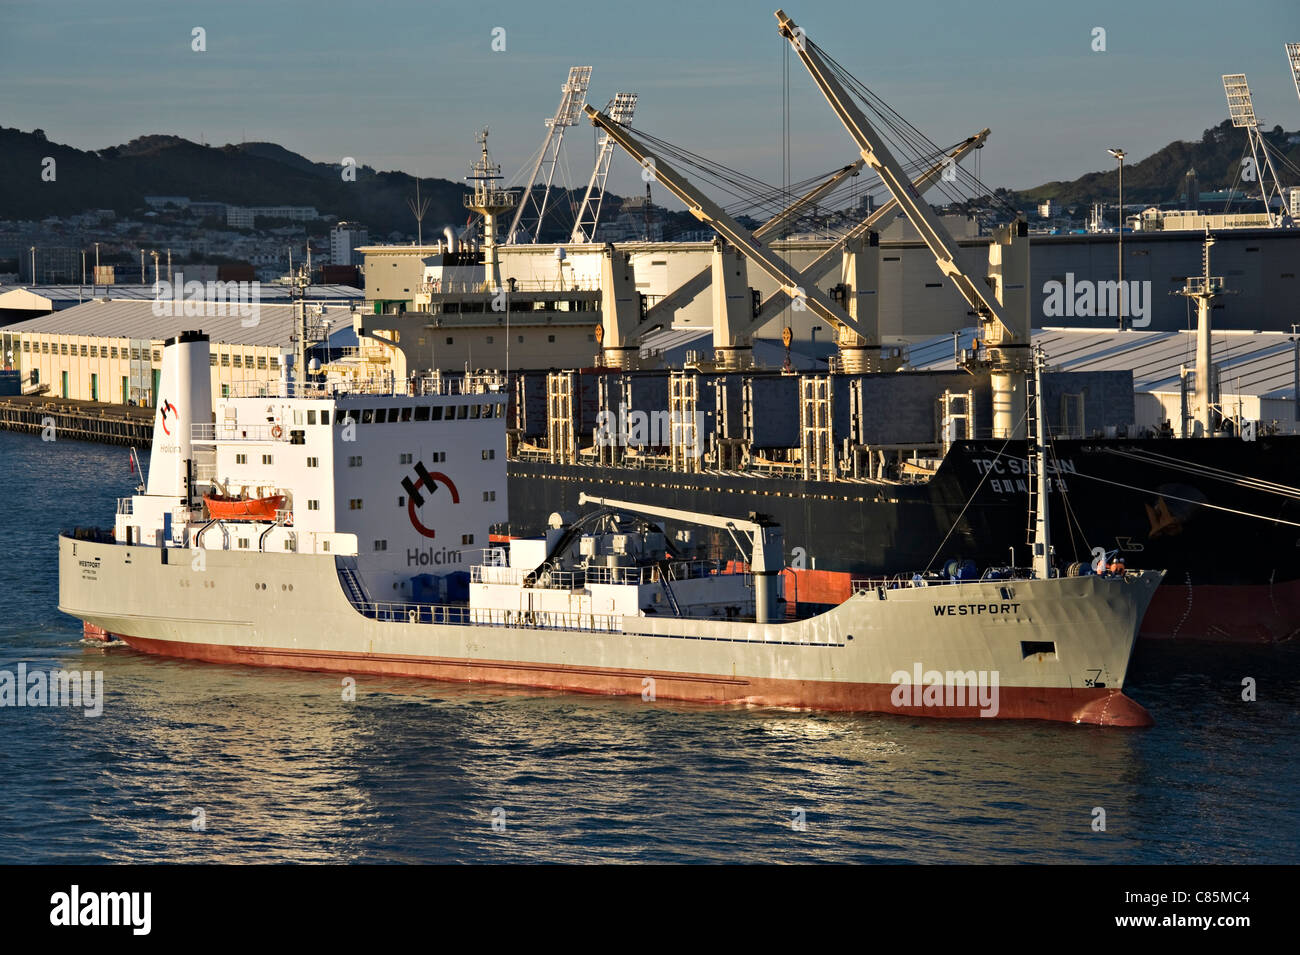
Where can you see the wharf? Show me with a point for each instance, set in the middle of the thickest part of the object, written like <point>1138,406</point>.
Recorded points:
<point>78,420</point>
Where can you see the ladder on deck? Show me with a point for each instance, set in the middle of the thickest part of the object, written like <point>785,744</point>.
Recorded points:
<point>353,587</point>
<point>669,595</point>
<point>1031,446</point>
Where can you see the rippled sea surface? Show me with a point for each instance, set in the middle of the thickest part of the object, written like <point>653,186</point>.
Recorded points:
<point>284,770</point>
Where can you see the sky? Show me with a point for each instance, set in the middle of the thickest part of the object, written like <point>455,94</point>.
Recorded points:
<point>406,85</point>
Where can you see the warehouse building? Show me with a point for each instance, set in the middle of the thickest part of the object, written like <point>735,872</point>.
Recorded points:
<point>111,351</point>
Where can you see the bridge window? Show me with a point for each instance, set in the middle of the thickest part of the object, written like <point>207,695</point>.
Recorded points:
<point>422,413</point>
<point>467,538</point>
<point>354,461</point>
<point>313,505</point>
<point>435,413</point>
<point>241,458</point>
<point>393,415</point>
<point>489,495</point>
<point>381,545</point>
<point>324,417</point>
<point>313,462</point>
<point>354,504</point>
<point>490,454</point>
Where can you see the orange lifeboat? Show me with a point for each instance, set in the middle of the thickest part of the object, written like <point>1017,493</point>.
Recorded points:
<point>227,508</point>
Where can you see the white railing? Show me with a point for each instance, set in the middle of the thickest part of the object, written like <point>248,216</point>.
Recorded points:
<point>435,385</point>
<point>496,575</point>
<point>406,612</point>
<point>126,505</point>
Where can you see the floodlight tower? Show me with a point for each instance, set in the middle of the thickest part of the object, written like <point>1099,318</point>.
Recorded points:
<point>620,110</point>
<point>1293,56</point>
<point>573,96</point>
<point>1241,110</point>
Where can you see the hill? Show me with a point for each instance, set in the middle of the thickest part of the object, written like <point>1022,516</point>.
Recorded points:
<point>1159,177</point>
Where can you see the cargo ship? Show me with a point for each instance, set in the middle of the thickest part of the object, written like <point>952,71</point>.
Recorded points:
<point>380,481</point>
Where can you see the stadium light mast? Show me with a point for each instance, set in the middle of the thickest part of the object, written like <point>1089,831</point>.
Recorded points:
<point>573,98</point>
<point>1241,110</point>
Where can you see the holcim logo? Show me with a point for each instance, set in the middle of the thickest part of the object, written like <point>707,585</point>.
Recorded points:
<point>208,299</point>
<point>163,410</point>
<point>1089,299</point>
<point>429,481</point>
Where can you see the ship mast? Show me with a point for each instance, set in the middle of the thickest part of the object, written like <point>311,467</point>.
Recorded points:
<point>490,201</point>
<point>1042,518</point>
<point>1204,288</point>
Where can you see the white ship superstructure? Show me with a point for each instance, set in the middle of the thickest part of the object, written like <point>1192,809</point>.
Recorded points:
<point>363,470</point>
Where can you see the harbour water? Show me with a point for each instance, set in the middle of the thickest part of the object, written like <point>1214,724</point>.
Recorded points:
<point>198,763</point>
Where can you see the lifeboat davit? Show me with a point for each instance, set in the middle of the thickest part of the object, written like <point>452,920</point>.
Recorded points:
<point>227,508</point>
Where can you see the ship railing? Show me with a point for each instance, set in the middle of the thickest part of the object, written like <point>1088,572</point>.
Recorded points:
<point>435,385</point>
<point>496,575</point>
<point>867,585</point>
<point>651,573</point>
<point>461,614</point>
<point>126,505</point>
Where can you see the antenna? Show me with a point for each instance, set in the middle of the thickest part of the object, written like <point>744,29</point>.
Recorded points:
<point>573,95</point>
<point>418,208</point>
<point>1241,110</point>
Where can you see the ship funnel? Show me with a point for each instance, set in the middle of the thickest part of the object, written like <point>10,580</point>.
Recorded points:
<point>184,398</point>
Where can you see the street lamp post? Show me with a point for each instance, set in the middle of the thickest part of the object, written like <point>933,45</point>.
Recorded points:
<point>1119,154</point>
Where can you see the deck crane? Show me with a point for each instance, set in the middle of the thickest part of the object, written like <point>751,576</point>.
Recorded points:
<point>574,92</point>
<point>773,305</point>
<point>766,550</point>
<point>585,222</point>
<point>822,266</point>
<point>663,310</point>
<point>1001,305</point>
<point>623,334</point>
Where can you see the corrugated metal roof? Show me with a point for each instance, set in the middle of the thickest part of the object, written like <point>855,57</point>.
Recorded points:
<point>135,319</point>
<point>1251,363</point>
<point>66,296</point>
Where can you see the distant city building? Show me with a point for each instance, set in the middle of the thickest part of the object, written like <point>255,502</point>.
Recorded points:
<point>1293,201</point>
<point>206,209</point>
<point>245,217</point>
<point>345,239</point>
<point>162,202</point>
<point>1048,208</point>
